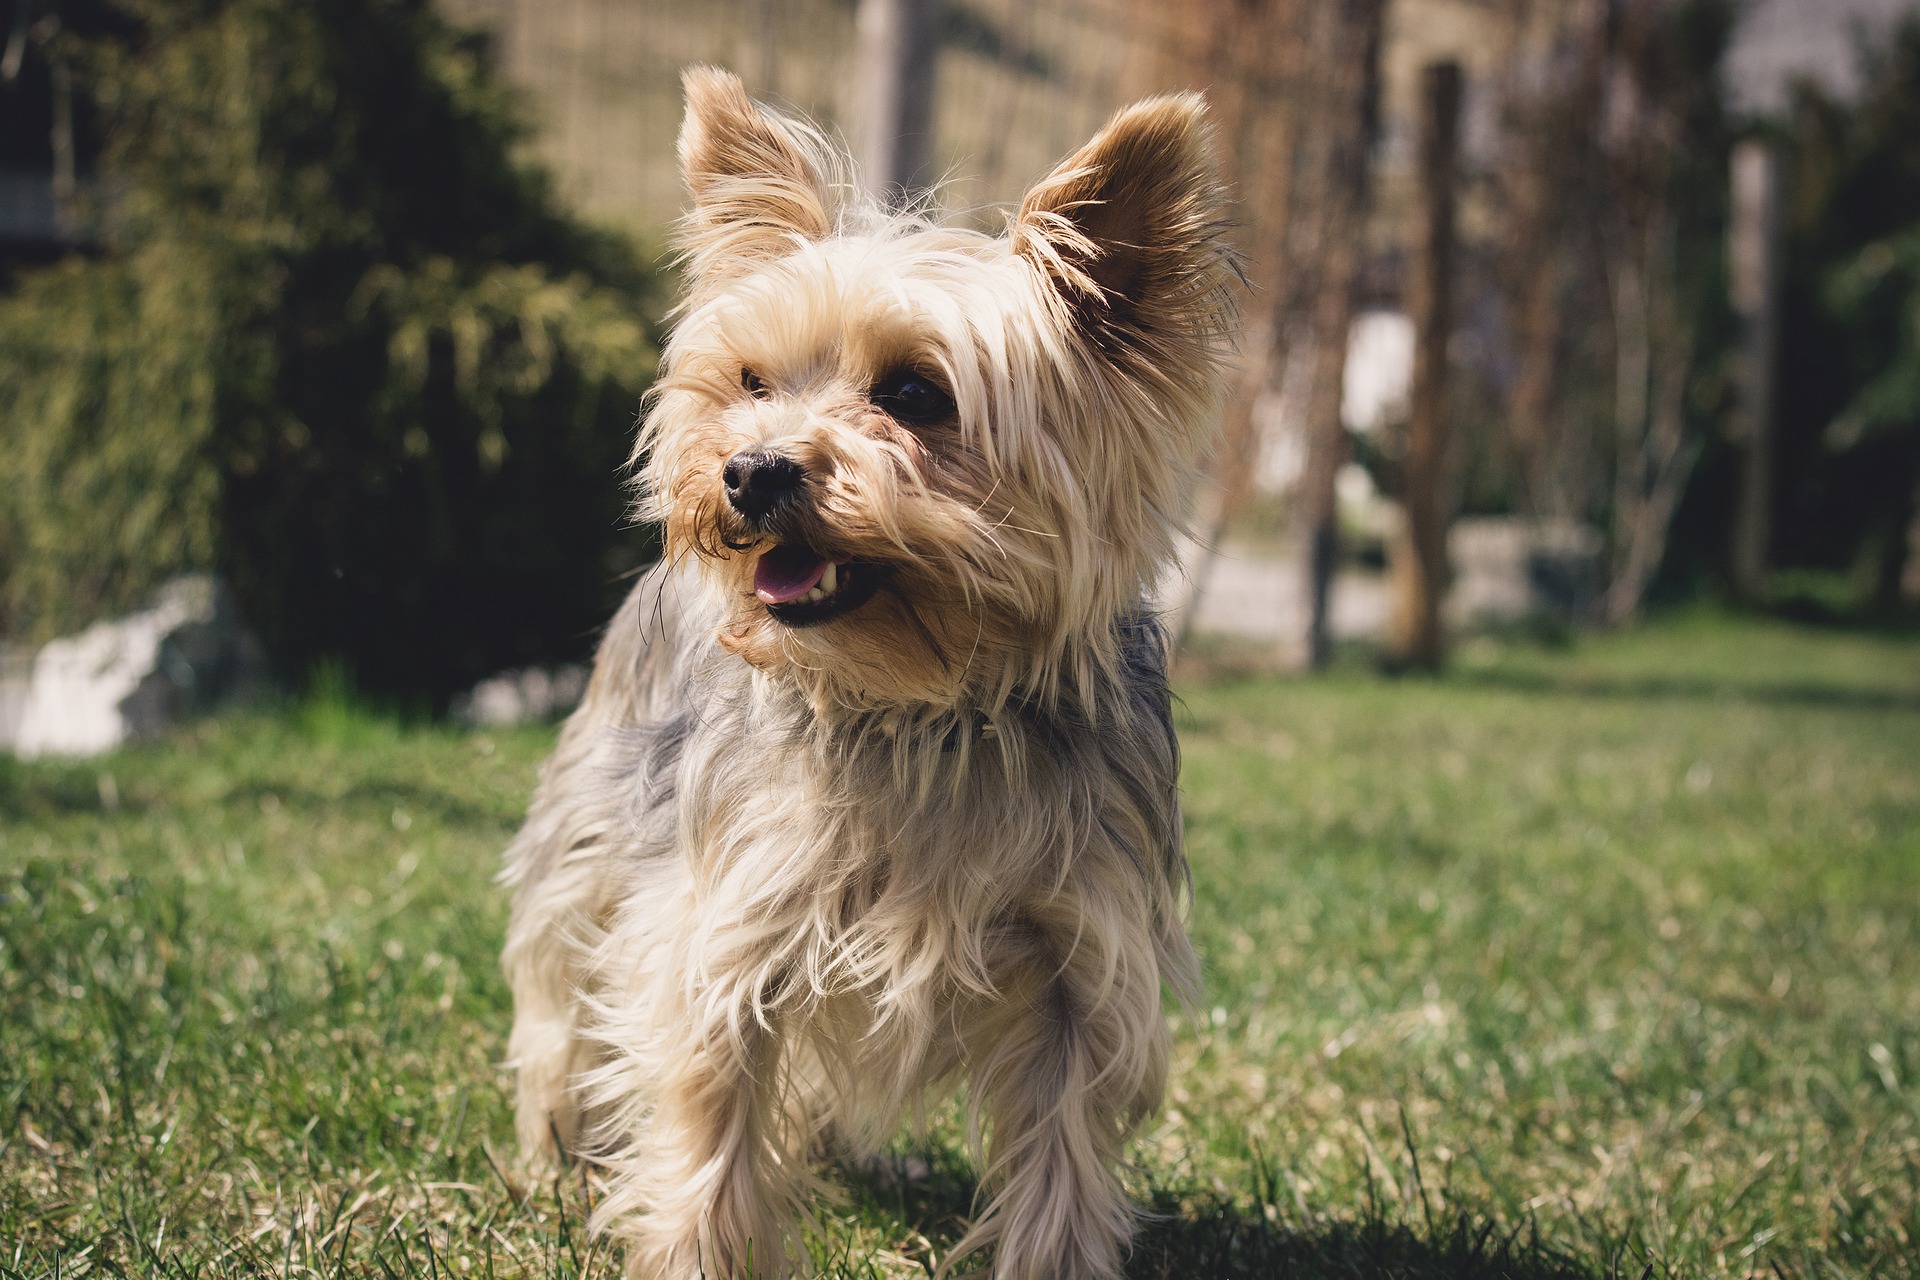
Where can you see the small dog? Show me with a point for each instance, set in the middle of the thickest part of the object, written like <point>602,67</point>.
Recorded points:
<point>874,787</point>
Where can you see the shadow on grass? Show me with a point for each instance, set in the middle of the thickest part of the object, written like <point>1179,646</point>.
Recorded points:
<point>65,789</point>
<point>47,795</point>
<point>1664,688</point>
<point>1217,1238</point>
<point>1208,1236</point>
<point>379,797</point>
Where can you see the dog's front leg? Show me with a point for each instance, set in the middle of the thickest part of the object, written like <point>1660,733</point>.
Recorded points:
<point>1064,1066</point>
<point>708,1183</point>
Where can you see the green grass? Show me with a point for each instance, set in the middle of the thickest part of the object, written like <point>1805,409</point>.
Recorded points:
<point>1575,964</point>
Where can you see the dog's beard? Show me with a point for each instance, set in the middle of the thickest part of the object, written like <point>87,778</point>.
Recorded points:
<point>871,589</point>
<point>886,635</point>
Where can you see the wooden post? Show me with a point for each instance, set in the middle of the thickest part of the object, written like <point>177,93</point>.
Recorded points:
<point>895,134</point>
<point>766,47</point>
<point>1754,267</point>
<point>1334,205</point>
<point>1420,553</point>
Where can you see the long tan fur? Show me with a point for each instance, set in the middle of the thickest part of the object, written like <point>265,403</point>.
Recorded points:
<point>780,877</point>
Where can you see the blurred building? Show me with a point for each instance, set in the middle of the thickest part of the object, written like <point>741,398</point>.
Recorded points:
<point>47,149</point>
<point>1020,81</point>
<point>1779,41</point>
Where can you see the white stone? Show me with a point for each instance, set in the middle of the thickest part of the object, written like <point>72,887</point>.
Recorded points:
<point>133,677</point>
<point>1378,375</point>
<point>517,697</point>
<point>1506,569</point>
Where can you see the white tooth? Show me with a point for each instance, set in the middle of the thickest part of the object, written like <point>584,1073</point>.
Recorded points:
<point>815,594</point>
<point>830,580</point>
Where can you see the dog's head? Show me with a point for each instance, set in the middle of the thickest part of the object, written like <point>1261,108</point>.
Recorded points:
<point>926,466</point>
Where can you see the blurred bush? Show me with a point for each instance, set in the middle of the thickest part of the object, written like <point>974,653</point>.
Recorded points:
<point>1850,353</point>
<point>334,340</point>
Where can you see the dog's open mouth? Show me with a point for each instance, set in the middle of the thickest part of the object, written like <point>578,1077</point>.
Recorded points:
<point>801,588</point>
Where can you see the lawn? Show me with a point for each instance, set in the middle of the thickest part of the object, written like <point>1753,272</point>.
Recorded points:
<point>1579,963</point>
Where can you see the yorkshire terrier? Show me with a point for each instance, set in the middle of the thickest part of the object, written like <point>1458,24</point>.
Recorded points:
<point>873,791</point>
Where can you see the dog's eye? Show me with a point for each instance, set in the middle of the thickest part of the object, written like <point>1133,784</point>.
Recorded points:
<point>908,396</point>
<point>750,382</point>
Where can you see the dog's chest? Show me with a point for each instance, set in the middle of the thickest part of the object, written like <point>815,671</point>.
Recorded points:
<point>870,836</point>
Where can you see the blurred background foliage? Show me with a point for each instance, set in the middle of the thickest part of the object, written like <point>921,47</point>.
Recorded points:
<point>329,336</point>
<point>1850,375</point>
<point>319,323</point>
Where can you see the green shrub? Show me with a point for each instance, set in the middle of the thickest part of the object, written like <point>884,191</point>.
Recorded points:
<point>336,342</point>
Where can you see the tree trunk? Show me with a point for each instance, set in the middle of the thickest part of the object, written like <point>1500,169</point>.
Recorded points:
<point>1655,456</point>
<point>1420,552</point>
<point>1910,568</point>
<point>1644,119</point>
<point>1554,86</point>
<point>1669,458</point>
<point>1899,577</point>
<point>1754,264</point>
<point>1346,53</point>
<point>1535,437</point>
<point>1250,50</point>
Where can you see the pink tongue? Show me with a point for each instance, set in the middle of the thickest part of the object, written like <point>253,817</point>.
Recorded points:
<point>786,573</point>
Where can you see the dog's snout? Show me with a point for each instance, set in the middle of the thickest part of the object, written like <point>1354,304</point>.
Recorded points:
<point>759,482</point>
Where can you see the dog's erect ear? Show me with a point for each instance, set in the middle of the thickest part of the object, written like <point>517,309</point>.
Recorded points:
<point>1130,229</point>
<point>758,180</point>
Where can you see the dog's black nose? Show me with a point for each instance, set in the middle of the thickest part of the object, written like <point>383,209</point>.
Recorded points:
<point>759,482</point>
